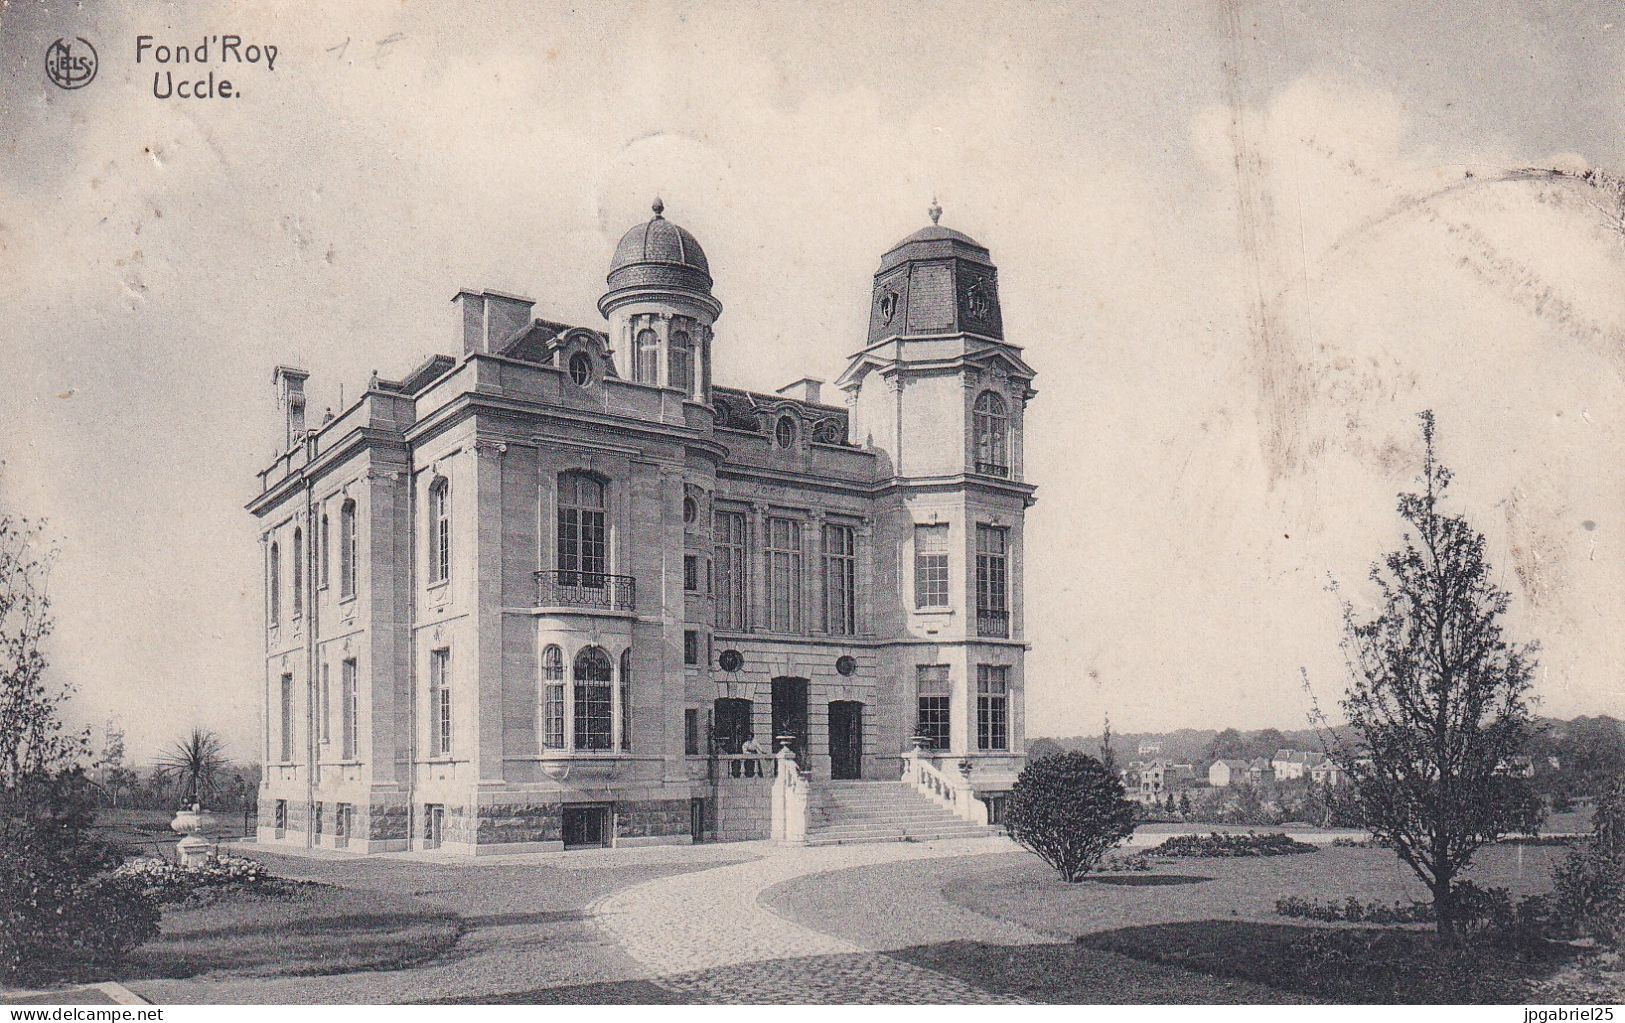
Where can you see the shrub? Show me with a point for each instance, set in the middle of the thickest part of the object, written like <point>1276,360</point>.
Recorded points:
<point>1352,910</point>
<point>59,906</point>
<point>171,882</point>
<point>1126,862</point>
<point>1589,899</point>
<point>1069,810</point>
<point>1218,845</point>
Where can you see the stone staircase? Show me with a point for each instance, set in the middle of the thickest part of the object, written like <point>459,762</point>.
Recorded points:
<point>850,812</point>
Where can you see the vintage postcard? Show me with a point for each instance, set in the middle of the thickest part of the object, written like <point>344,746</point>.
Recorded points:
<point>910,503</point>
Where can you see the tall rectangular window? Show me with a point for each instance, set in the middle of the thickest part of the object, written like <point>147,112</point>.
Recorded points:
<point>440,530</point>
<point>992,581</point>
<point>931,566</point>
<point>691,646</point>
<point>594,701</point>
<point>553,698</point>
<point>583,552</point>
<point>298,572</point>
<point>322,555</point>
<point>840,580</point>
<point>287,719</point>
<point>440,701</point>
<point>626,700</point>
<point>992,692</point>
<point>273,584</point>
<point>935,702</point>
<point>784,575</point>
<point>691,732</point>
<point>691,573</point>
<point>326,706</point>
<point>733,585</point>
<point>348,548</point>
<point>348,706</point>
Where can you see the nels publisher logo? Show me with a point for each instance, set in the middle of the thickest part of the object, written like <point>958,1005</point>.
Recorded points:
<point>70,65</point>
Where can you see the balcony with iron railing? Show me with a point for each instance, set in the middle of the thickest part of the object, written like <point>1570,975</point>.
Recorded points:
<point>600,591</point>
<point>993,623</point>
<point>993,469</point>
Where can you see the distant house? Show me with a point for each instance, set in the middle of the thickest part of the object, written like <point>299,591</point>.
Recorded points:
<point>1159,777</point>
<point>1290,764</point>
<point>1259,772</point>
<point>1224,773</point>
<point>1516,767</point>
<point>1327,772</point>
<point>1149,748</point>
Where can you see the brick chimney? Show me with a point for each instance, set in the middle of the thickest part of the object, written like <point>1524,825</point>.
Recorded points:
<point>290,397</point>
<point>489,318</point>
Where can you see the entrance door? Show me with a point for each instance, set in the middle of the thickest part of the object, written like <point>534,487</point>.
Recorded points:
<point>790,714</point>
<point>845,739</point>
<point>586,826</point>
<point>731,725</point>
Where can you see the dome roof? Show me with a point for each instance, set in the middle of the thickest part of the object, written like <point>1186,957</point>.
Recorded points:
<point>659,251</point>
<point>935,241</point>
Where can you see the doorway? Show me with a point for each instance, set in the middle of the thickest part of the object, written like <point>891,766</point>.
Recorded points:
<point>845,740</point>
<point>586,827</point>
<point>790,714</point>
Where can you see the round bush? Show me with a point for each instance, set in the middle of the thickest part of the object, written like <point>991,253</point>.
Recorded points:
<point>1069,810</point>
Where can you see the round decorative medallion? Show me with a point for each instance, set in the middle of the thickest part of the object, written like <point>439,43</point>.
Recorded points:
<point>846,664</point>
<point>730,660</point>
<point>785,432</point>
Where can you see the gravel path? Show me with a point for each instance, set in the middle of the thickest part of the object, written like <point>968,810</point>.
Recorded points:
<point>528,937</point>
<point>707,935</point>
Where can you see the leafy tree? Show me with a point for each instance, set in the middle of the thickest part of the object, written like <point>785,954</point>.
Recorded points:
<point>192,766</point>
<point>1590,882</point>
<point>1108,756</point>
<point>56,902</point>
<point>1184,804</point>
<point>1069,810</point>
<point>1438,697</point>
<point>1227,745</point>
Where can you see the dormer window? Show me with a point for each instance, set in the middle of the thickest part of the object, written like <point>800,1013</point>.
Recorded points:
<point>784,431</point>
<point>581,369</point>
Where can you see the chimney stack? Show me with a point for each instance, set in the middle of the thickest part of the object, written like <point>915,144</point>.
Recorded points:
<point>488,318</point>
<point>806,389</point>
<point>290,397</point>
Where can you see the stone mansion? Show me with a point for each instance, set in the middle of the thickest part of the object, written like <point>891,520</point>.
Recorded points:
<point>561,588</point>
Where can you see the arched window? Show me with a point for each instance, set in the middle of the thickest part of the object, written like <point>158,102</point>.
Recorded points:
<point>594,715</point>
<point>440,530</point>
<point>626,699</point>
<point>784,431</point>
<point>646,358</point>
<point>298,572</point>
<point>682,362</point>
<point>992,429</point>
<point>553,698</point>
<point>583,556</point>
<point>274,584</point>
<point>348,549</point>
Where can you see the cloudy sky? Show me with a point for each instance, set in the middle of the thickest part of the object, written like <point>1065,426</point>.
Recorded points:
<point>1241,243</point>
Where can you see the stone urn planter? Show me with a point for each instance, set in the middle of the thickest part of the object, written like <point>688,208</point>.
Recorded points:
<point>197,828</point>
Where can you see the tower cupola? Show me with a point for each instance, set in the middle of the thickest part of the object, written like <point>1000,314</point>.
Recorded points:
<point>936,281</point>
<point>660,307</point>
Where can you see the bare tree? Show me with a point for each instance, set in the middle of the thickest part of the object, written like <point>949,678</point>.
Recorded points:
<point>1438,697</point>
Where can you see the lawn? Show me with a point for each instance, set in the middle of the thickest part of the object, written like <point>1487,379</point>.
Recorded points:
<point>1188,930</point>
<point>1216,916</point>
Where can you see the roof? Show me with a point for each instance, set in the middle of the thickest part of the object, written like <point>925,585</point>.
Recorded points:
<point>1234,765</point>
<point>658,243</point>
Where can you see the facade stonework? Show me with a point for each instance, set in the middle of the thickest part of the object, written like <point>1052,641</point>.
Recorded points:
<point>538,591</point>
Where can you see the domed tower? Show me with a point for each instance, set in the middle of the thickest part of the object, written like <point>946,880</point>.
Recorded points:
<point>660,307</point>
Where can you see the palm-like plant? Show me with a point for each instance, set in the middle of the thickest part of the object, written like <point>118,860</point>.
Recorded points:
<point>193,765</point>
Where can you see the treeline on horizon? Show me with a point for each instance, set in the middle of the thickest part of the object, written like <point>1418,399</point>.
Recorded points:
<point>1590,750</point>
